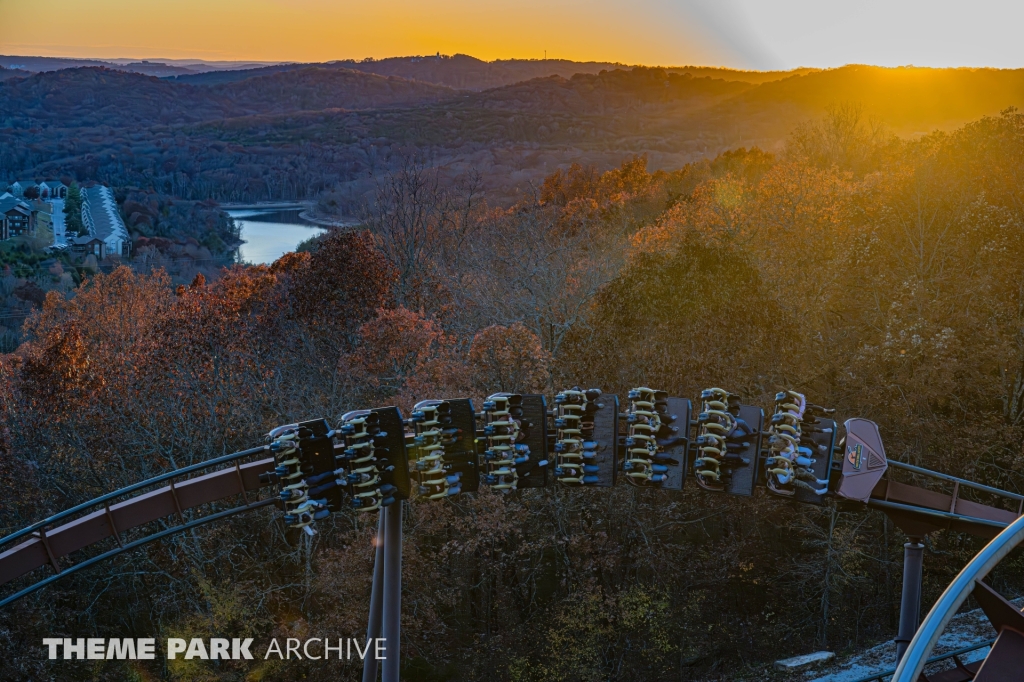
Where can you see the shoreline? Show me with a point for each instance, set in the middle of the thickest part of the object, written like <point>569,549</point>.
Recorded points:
<point>324,222</point>
<point>306,212</point>
<point>267,206</point>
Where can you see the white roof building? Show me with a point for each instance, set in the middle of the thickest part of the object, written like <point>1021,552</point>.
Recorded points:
<point>101,217</point>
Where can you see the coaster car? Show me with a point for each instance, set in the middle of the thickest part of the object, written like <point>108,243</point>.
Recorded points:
<point>430,422</point>
<point>790,462</point>
<point>504,432</point>
<point>646,462</point>
<point>721,435</point>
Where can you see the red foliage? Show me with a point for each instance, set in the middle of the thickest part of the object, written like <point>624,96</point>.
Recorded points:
<point>57,375</point>
<point>509,359</point>
<point>409,357</point>
<point>341,284</point>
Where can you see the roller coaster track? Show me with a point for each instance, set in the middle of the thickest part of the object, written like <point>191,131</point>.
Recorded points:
<point>934,510</point>
<point>1005,660</point>
<point>111,516</point>
<point>859,475</point>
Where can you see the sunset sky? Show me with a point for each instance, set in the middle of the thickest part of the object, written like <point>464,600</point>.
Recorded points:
<point>757,34</point>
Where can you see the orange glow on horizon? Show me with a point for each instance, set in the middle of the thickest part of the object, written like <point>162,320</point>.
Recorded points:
<point>744,34</point>
<point>321,30</point>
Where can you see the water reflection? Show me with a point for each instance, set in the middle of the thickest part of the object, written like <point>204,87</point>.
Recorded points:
<point>269,234</point>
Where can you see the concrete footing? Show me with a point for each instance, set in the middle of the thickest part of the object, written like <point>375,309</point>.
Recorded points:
<point>804,662</point>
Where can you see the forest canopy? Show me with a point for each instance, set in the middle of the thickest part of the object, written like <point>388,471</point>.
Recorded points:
<point>318,131</point>
<point>882,276</point>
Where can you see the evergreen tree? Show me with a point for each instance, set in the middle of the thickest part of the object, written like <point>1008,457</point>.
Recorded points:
<point>73,212</point>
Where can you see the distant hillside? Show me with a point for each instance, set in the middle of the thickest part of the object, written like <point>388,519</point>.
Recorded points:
<point>233,76</point>
<point>290,131</point>
<point>608,91</point>
<point>463,72</point>
<point>315,88</point>
<point>37,64</point>
<point>460,71</point>
<point>12,73</point>
<point>161,68</point>
<point>92,96</point>
<point>657,109</point>
<point>43,64</point>
<point>158,69</point>
<point>905,98</point>
<point>469,73</point>
<point>754,77</point>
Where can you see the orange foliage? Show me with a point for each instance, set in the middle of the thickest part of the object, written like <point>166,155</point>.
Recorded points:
<point>407,358</point>
<point>562,187</point>
<point>58,376</point>
<point>341,284</point>
<point>885,281</point>
<point>509,359</point>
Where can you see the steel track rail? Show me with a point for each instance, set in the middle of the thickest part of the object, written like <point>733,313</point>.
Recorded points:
<point>44,544</point>
<point>130,489</point>
<point>885,505</point>
<point>134,545</point>
<point>956,594</point>
<point>880,676</point>
<point>954,479</point>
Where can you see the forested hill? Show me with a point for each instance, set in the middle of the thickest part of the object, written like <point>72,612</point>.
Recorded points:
<point>291,133</point>
<point>221,77</point>
<point>95,96</point>
<point>11,73</point>
<point>905,97</point>
<point>463,72</point>
<point>468,73</point>
<point>459,71</point>
<point>315,88</point>
<point>160,68</point>
<point>608,91</point>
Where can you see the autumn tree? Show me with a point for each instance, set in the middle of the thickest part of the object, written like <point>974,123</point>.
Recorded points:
<point>421,224</point>
<point>883,278</point>
<point>845,137</point>
<point>407,357</point>
<point>508,359</point>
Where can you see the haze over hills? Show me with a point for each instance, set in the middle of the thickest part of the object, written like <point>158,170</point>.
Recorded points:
<point>456,71</point>
<point>468,73</point>
<point>909,99</point>
<point>161,68</point>
<point>238,136</point>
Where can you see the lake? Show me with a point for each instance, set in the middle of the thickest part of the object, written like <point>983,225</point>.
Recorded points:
<point>269,234</point>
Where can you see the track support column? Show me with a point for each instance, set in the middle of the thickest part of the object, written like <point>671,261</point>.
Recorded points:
<point>910,604</point>
<point>373,627</point>
<point>392,591</point>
